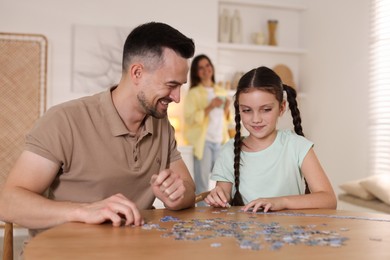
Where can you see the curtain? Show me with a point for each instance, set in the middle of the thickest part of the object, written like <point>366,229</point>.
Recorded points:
<point>379,89</point>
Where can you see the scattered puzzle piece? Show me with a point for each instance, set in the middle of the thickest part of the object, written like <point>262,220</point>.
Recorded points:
<point>250,234</point>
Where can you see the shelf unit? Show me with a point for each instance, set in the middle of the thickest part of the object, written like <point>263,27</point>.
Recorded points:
<point>271,4</point>
<point>259,48</point>
<point>241,57</point>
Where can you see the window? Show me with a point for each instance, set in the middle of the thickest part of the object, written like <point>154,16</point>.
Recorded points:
<point>379,92</point>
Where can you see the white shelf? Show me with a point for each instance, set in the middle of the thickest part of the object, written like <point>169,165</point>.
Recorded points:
<point>259,48</point>
<point>269,4</point>
<point>233,58</point>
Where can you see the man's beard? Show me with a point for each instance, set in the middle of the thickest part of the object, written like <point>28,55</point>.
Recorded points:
<point>149,109</point>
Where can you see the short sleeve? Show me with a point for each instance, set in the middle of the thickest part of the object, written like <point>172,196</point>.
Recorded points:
<point>51,136</point>
<point>303,146</point>
<point>223,169</point>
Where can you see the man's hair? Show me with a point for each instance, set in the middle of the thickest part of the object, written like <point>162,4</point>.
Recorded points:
<point>147,42</point>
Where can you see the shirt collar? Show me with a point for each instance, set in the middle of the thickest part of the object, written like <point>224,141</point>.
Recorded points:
<point>113,119</point>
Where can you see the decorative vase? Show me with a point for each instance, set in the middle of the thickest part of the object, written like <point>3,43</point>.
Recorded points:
<point>258,38</point>
<point>224,26</point>
<point>272,27</point>
<point>236,29</point>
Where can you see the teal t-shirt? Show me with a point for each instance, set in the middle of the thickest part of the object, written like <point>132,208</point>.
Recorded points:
<point>275,171</point>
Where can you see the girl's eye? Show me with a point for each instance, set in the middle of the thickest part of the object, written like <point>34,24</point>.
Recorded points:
<point>245,110</point>
<point>266,109</point>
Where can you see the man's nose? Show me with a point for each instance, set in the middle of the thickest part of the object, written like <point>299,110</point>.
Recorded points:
<point>175,95</point>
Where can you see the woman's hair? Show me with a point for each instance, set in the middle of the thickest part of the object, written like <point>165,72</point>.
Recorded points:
<point>264,79</point>
<point>147,42</point>
<point>194,77</point>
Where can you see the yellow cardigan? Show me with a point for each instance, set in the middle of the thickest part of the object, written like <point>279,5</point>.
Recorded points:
<point>195,120</point>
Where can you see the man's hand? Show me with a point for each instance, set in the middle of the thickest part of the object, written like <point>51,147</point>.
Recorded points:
<point>168,187</point>
<point>114,209</point>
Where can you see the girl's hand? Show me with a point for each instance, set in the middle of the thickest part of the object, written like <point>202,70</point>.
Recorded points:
<point>217,198</point>
<point>266,204</point>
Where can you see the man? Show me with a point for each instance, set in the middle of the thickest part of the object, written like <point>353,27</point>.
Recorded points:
<point>105,157</point>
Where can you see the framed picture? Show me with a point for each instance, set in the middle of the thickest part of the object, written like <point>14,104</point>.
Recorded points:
<point>97,57</point>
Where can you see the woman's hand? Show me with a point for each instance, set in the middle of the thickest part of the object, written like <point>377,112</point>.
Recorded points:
<point>216,102</point>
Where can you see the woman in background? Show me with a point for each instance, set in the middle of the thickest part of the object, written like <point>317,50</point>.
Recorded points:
<point>267,169</point>
<point>206,115</point>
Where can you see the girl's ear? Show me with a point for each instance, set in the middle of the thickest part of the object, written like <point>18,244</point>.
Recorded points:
<point>283,106</point>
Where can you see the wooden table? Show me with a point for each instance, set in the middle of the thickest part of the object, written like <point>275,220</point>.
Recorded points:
<point>368,237</point>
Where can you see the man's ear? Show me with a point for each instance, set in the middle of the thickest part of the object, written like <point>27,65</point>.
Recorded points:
<point>136,71</point>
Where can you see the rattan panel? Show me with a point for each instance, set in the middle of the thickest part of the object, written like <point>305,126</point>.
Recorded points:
<point>23,90</point>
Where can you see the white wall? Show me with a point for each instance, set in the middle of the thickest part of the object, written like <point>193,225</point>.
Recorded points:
<point>334,72</point>
<point>335,76</point>
<point>55,19</point>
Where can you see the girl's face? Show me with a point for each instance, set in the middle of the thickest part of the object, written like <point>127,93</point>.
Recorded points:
<point>205,70</point>
<point>259,112</point>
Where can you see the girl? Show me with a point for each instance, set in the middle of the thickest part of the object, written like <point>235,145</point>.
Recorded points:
<point>270,166</point>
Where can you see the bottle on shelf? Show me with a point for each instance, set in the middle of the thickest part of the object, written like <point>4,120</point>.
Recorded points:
<point>224,26</point>
<point>236,29</point>
<point>272,26</point>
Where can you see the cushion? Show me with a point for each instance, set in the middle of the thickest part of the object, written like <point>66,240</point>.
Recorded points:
<point>356,189</point>
<point>379,185</point>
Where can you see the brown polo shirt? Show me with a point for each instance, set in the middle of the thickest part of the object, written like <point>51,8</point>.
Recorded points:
<point>97,155</point>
